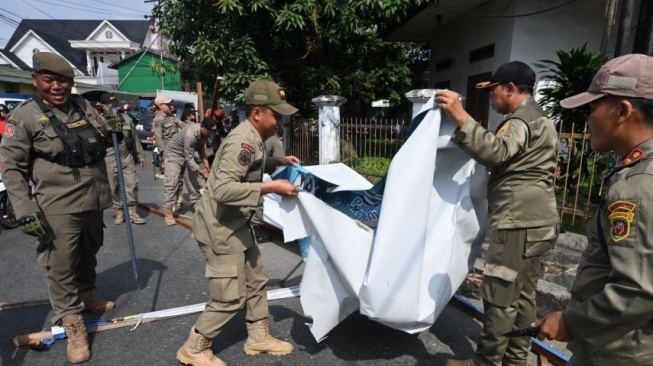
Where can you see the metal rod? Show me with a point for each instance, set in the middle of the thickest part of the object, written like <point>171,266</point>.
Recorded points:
<point>125,205</point>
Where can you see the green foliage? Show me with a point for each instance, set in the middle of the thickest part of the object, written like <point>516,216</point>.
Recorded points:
<point>370,167</point>
<point>311,47</point>
<point>571,75</point>
<point>384,147</point>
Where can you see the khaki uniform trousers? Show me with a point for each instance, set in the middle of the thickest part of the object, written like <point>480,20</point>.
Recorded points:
<point>509,289</point>
<point>236,282</point>
<point>193,183</point>
<point>70,260</point>
<point>131,181</point>
<point>176,173</point>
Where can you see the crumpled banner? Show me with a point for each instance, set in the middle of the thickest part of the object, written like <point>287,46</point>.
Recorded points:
<point>431,214</point>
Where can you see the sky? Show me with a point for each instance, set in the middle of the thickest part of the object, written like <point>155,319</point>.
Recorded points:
<point>12,11</point>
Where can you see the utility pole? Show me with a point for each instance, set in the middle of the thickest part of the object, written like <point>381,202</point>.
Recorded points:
<point>625,23</point>
<point>162,69</point>
<point>644,33</point>
<point>610,18</point>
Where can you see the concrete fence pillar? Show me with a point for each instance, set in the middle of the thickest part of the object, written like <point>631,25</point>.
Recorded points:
<point>329,126</point>
<point>419,97</point>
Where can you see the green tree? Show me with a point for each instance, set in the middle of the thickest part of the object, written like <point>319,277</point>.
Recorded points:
<point>571,75</point>
<point>311,47</point>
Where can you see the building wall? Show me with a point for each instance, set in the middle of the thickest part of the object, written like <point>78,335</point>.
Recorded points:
<point>25,50</point>
<point>527,39</point>
<point>142,79</point>
<point>458,38</point>
<point>537,37</point>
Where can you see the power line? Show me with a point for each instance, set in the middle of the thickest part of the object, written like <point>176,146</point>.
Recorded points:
<point>505,16</point>
<point>87,10</point>
<point>121,6</point>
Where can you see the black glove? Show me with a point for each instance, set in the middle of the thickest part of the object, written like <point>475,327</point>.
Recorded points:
<point>34,224</point>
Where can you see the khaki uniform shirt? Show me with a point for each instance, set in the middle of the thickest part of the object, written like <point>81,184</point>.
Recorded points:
<point>611,312</point>
<point>273,149</point>
<point>58,189</point>
<point>164,128</point>
<point>232,192</point>
<point>521,158</point>
<point>187,146</point>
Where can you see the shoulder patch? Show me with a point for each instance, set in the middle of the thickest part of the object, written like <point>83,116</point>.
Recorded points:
<point>621,214</point>
<point>247,147</point>
<point>503,128</point>
<point>10,131</point>
<point>244,157</point>
<point>634,155</point>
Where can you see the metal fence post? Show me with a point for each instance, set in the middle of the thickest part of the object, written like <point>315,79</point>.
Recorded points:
<point>329,126</point>
<point>419,97</point>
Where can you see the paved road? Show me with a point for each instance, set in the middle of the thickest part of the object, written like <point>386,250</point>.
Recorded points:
<point>171,275</point>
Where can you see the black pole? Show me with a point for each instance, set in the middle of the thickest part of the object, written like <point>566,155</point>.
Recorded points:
<point>644,34</point>
<point>625,22</point>
<point>125,205</point>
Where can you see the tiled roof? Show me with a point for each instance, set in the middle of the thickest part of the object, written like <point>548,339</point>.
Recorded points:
<point>8,73</point>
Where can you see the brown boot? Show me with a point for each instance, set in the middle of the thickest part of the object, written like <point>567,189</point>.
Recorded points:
<point>77,350</point>
<point>133,216</point>
<point>118,217</point>
<point>197,351</point>
<point>170,220</point>
<point>96,305</point>
<point>259,340</point>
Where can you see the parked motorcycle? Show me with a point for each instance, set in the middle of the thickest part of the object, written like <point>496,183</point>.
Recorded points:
<point>7,217</point>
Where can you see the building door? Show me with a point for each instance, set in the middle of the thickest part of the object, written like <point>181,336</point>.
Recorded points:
<point>477,102</point>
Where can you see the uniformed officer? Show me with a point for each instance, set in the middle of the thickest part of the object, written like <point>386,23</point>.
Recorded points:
<point>523,218</point>
<point>234,267</point>
<point>130,148</point>
<point>610,318</point>
<point>186,152</point>
<point>56,140</point>
<point>164,126</point>
<point>191,178</point>
<point>273,149</point>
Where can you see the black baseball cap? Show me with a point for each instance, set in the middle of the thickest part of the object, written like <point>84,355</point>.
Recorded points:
<point>515,72</point>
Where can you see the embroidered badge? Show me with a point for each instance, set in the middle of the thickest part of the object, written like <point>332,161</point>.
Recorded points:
<point>503,128</point>
<point>244,157</point>
<point>282,94</point>
<point>634,155</point>
<point>247,147</point>
<point>10,131</point>
<point>44,118</point>
<point>79,123</point>
<point>621,214</point>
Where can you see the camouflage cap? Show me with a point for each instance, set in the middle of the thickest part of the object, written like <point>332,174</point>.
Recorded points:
<point>268,93</point>
<point>43,62</point>
<point>628,76</point>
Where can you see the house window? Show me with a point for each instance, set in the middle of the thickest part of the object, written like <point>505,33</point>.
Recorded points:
<point>108,34</point>
<point>443,64</point>
<point>477,102</point>
<point>482,53</point>
<point>444,84</point>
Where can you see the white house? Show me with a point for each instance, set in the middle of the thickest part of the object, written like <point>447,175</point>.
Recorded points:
<point>88,45</point>
<point>470,38</point>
